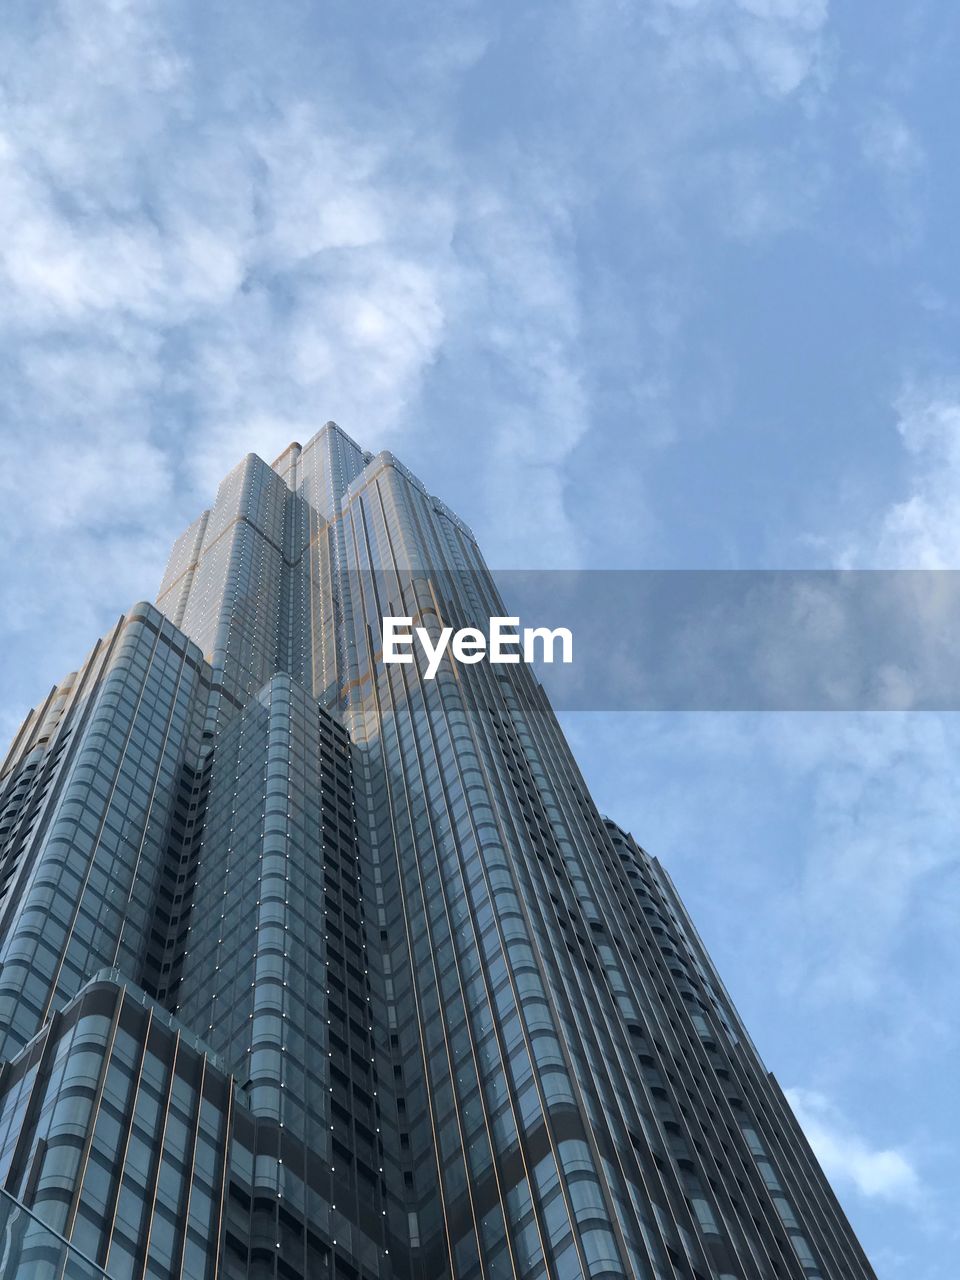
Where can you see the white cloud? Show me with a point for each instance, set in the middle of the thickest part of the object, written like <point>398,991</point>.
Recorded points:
<point>806,15</point>
<point>777,43</point>
<point>879,848</point>
<point>895,158</point>
<point>890,144</point>
<point>519,305</point>
<point>238,260</point>
<point>847,1158</point>
<point>757,195</point>
<point>194,267</point>
<point>921,529</point>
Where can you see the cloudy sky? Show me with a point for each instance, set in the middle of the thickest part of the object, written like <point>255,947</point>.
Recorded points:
<point>668,284</point>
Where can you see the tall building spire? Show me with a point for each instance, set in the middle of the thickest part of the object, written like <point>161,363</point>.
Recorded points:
<point>311,967</point>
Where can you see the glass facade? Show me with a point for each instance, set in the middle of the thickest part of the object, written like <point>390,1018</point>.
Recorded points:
<point>310,967</point>
<point>29,1248</point>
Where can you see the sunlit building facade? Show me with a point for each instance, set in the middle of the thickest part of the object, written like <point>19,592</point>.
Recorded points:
<point>311,967</point>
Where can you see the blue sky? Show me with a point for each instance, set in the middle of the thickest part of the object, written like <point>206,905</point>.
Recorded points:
<point>665,284</point>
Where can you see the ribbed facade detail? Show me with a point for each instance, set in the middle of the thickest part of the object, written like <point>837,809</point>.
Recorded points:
<point>313,967</point>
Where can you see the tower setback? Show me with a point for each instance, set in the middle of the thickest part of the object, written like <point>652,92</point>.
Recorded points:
<point>313,968</point>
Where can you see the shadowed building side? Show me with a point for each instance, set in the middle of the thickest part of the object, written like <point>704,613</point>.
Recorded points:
<point>312,967</point>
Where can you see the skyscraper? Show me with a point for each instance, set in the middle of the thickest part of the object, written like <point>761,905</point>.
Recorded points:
<point>312,967</point>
